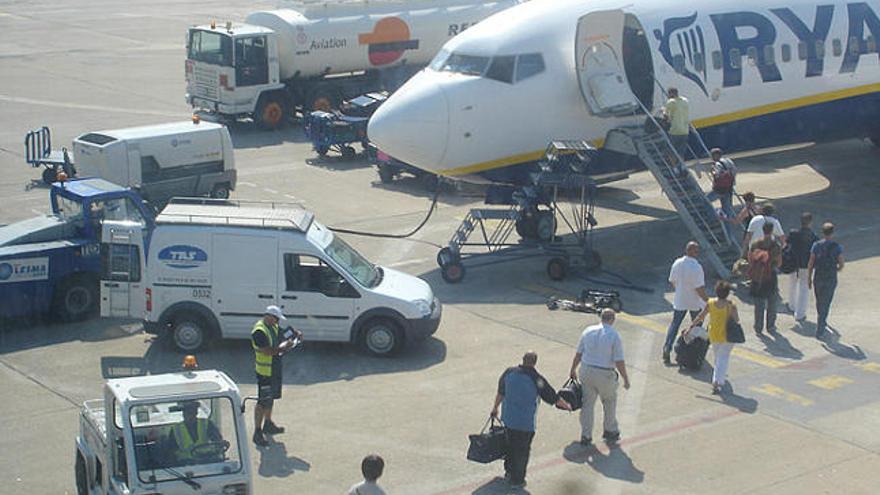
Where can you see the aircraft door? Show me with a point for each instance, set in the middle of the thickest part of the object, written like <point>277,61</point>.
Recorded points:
<point>122,270</point>
<point>600,70</point>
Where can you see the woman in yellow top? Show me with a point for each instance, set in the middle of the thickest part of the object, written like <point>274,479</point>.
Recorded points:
<point>719,310</point>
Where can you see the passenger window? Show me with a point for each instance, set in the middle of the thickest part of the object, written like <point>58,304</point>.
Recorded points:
<point>769,55</point>
<point>802,50</point>
<point>120,262</point>
<point>529,65</point>
<point>699,62</point>
<point>735,58</point>
<point>752,55</point>
<point>716,60</point>
<point>836,47</point>
<point>304,273</point>
<point>786,53</point>
<point>678,63</point>
<point>820,49</point>
<point>501,69</point>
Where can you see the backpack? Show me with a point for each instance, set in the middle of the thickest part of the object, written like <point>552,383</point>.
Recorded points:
<point>760,267</point>
<point>789,258</point>
<point>826,264</point>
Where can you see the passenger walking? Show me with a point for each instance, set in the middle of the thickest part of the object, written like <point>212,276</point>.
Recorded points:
<point>518,390</point>
<point>268,347</point>
<point>371,467</point>
<point>723,175</point>
<point>689,282</point>
<point>719,310</point>
<point>753,231</point>
<point>765,256</point>
<point>678,114</point>
<point>800,242</point>
<point>826,259</point>
<point>599,353</point>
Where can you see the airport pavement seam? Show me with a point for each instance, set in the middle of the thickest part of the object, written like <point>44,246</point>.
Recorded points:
<point>812,469</point>
<point>39,383</point>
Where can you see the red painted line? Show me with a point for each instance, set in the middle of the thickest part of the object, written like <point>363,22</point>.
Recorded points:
<point>631,441</point>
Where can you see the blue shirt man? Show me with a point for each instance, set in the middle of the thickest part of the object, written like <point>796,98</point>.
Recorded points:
<point>518,390</point>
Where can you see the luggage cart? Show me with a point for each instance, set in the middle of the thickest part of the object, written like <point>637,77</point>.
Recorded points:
<point>38,152</point>
<point>535,212</point>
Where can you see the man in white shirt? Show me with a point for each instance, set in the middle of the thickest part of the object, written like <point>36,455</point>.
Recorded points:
<point>756,226</point>
<point>599,353</point>
<point>689,282</point>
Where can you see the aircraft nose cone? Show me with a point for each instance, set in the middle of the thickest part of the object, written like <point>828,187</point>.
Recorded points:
<point>412,125</point>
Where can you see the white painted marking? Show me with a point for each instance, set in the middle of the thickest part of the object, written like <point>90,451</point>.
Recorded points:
<point>270,191</point>
<point>249,184</point>
<point>80,106</point>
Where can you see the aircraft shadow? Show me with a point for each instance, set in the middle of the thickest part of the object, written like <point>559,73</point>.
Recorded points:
<point>246,135</point>
<point>41,331</point>
<point>314,362</point>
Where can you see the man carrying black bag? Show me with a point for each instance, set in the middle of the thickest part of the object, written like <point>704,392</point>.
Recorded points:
<point>519,389</point>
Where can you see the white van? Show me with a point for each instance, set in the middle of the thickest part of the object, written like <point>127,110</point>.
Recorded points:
<point>190,158</point>
<point>213,266</point>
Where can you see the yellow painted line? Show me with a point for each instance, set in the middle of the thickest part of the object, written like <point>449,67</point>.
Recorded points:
<point>740,352</point>
<point>830,382</point>
<point>706,122</point>
<point>872,367</point>
<point>652,325</point>
<point>781,393</point>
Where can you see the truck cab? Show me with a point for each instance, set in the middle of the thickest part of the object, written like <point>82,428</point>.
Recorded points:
<point>233,70</point>
<point>53,262</point>
<point>174,433</point>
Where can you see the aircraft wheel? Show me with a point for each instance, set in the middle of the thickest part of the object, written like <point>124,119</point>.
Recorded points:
<point>348,152</point>
<point>49,175</point>
<point>386,174</point>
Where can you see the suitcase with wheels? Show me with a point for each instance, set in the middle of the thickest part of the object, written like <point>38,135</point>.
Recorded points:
<point>690,355</point>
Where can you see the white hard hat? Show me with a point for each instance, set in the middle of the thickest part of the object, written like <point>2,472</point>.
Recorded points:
<point>276,312</point>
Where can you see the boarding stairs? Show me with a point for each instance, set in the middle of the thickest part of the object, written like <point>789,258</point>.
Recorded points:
<point>495,237</point>
<point>681,187</point>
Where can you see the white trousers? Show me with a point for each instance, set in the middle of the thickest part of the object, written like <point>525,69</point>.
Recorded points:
<point>798,293</point>
<point>601,384</point>
<point>722,360</point>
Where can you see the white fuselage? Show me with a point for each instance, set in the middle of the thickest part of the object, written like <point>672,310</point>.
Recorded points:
<point>755,74</point>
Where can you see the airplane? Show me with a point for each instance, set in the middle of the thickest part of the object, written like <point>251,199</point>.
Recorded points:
<point>756,73</point>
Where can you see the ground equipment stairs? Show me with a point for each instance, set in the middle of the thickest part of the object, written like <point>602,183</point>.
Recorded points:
<point>681,187</point>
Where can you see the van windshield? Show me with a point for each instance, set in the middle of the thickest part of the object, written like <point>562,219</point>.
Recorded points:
<point>366,273</point>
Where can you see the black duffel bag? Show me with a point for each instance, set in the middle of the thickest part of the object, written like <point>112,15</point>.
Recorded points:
<point>573,393</point>
<point>488,445</point>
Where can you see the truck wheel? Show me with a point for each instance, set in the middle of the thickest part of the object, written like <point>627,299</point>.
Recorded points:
<point>49,175</point>
<point>381,337</point>
<point>272,111</point>
<point>75,299</point>
<point>220,191</point>
<point>323,99</point>
<point>82,478</point>
<point>189,332</point>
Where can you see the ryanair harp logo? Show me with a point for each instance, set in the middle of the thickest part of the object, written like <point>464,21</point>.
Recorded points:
<point>683,46</point>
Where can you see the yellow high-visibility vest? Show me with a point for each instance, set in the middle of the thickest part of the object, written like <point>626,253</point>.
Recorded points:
<point>185,441</point>
<point>263,363</point>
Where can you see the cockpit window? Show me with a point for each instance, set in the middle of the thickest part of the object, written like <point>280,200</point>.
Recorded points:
<point>528,65</point>
<point>439,60</point>
<point>470,65</point>
<point>501,68</point>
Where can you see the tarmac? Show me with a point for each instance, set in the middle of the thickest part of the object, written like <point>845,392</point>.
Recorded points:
<point>802,416</point>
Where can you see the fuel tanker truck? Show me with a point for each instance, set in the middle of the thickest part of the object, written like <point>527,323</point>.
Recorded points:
<point>313,56</point>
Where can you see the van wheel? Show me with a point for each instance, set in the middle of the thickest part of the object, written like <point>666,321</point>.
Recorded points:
<point>75,299</point>
<point>272,111</point>
<point>381,337</point>
<point>188,332</point>
<point>82,479</point>
<point>220,191</point>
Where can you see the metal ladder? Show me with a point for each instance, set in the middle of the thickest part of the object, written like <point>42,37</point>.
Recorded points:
<point>685,193</point>
<point>492,238</point>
